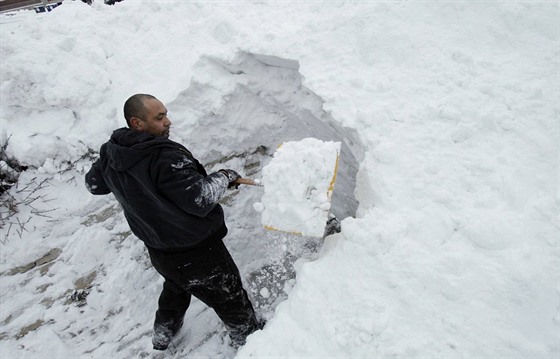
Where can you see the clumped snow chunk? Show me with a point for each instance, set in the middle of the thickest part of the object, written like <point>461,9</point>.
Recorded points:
<point>298,184</point>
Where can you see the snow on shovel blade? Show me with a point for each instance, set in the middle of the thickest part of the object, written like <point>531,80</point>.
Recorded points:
<point>298,184</point>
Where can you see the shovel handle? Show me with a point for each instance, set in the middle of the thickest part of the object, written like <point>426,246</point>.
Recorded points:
<point>247,181</point>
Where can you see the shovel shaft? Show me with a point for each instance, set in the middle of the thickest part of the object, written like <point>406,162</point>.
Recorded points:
<point>247,181</point>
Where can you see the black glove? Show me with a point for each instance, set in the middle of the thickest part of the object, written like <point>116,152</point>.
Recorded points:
<point>232,177</point>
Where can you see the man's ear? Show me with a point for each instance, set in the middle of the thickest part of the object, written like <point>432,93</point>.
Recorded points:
<point>137,124</point>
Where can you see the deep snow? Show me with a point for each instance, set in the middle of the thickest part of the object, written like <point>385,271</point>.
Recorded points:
<point>453,251</point>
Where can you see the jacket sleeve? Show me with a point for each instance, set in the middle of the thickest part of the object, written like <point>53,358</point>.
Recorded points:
<point>95,183</point>
<point>179,180</point>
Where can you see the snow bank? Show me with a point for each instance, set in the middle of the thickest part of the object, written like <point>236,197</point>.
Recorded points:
<point>453,251</point>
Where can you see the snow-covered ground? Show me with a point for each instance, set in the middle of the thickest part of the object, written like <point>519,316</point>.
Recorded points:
<point>454,249</point>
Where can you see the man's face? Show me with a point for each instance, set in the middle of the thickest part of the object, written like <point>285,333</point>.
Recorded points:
<point>155,121</point>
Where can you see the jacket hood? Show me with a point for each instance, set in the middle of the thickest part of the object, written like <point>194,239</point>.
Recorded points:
<point>126,147</point>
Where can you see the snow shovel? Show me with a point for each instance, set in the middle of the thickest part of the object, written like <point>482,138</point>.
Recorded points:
<point>298,184</point>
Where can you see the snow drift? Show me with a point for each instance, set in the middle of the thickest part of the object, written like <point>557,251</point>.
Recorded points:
<point>449,109</point>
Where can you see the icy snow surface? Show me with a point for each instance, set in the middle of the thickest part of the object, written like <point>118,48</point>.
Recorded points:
<point>453,251</point>
<point>298,183</point>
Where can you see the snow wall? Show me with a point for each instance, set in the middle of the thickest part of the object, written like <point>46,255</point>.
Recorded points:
<point>252,105</point>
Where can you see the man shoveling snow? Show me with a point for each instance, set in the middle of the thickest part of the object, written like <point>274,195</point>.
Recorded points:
<point>171,204</point>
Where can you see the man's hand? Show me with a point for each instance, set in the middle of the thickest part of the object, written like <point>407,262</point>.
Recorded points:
<point>232,177</point>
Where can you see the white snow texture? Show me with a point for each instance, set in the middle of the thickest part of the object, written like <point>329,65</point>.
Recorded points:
<point>450,243</point>
<point>297,187</point>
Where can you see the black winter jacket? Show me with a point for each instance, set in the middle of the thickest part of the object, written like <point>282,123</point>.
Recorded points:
<point>168,199</point>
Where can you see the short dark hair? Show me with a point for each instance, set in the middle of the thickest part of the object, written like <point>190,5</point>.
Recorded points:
<point>134,106</point>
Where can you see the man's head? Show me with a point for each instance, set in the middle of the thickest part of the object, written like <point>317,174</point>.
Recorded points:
<point>145,113</point>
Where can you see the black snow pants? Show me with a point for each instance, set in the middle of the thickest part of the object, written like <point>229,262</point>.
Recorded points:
<point>209,273</point>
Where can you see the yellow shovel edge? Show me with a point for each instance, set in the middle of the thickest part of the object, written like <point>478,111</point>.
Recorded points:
<point>270,228</point>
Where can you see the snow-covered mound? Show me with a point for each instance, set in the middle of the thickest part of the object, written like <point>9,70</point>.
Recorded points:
<point>450,246</point>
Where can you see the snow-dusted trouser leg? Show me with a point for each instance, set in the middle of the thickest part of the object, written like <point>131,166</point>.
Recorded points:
<point>172,305</point>
<point>209,273</point>
<point>216,281</point>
